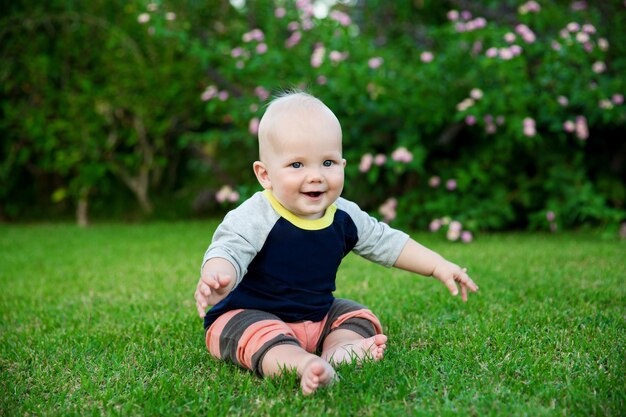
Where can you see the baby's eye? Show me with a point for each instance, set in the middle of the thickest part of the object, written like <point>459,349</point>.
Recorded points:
<point>296,165</point>
<point>328,163</point>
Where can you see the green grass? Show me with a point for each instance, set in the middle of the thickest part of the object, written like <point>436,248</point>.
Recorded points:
<point>102,321</point>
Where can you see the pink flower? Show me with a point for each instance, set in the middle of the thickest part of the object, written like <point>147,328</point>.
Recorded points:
<point>317,57</point>
<point>366,162</point>
<point>307,25</point>
<point>233,197</point>
<point>336,56</point>
<point>280,12</point>
<point>342,18</point>
<point>490,128</point>
<point>434,181</point>
<point>261,93</point>
<point>529,7</point>
<point>569,126</point>
<point>603,44</point>
<point>466,236</point>
<point>226,194</point>
<point>550,216</point>
<point>582,37</point>
<point>573,27</point>
<point>465,104</point>
<point>529,131</point>
<point>470,120</point>
<point>427,57</point>
<point>253,126</point>
<point>170,16</point>
<point>261,48</point>
<point>402,154</point>
<point>237,52</point>
<point>209,93</point>
<point>522,28</point>
<point>505,54</point>
<point>491,52</point>
<point>380,159</point>
<point>293,39</point>
<point>529,37</point>
<point>480,22</point>
<point>257,35</point>
<point>453,235</point>
<point>618,99</point>
<point>321,80</point>
<point>435,225</point>
<point>451,184</point>
<point>375,62</point>
<point>453,15</point>
<point>582,130</point>
<point>223,95</point>
<point>598,67</point>
<point>293,26</point>
<point>143,18</point>
<point>563,101</point>
<point>529,127</point>
<point>455,225</point>
<point>466,15</point>
<point>510,37</point>
<point>388,210</point>
<point>477,47</point>
<point>476,93</point>
<point>605,104</point>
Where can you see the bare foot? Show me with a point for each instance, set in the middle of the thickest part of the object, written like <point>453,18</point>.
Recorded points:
<point>316,373</point>
<point>347,351</point>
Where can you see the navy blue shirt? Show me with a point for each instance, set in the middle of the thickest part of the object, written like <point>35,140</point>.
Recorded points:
<point>291,272</point>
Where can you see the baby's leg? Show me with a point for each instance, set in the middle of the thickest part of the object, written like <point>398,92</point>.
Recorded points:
<point>261,342</point>
<point>345,346</point>
<point>353,333</point>
<point>314,372</point>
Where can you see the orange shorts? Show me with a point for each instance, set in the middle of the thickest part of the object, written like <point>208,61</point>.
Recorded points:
<point>244,336</point>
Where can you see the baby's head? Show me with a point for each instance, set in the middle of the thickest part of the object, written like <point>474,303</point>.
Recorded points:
<point>295,116</point>
<point>300,153</point>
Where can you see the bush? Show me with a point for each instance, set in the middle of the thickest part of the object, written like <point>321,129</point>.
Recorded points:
<point>505,115</point>
<point>486,116</point>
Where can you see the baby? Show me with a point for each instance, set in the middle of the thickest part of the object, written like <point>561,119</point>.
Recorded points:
<point>270,270</point>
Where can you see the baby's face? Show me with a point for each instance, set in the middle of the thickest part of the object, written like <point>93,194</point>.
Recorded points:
<point>304,163</point>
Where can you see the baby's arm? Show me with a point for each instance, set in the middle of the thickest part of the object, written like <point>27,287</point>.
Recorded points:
<point>419,259</point>
<point>216,281</point>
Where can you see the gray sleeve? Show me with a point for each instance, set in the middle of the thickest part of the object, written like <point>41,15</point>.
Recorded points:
<point>242,233</point>
<point>377,241</point>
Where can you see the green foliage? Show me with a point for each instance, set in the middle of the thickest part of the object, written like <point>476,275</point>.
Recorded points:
<point>492,115</point>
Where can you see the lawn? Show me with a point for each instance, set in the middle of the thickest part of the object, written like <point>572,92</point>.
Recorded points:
<point>102,321</point>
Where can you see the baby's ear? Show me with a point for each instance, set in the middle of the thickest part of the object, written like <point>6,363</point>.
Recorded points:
<point>262,175</point>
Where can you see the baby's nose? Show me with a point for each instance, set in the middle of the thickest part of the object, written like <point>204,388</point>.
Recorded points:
<point>314,175</point>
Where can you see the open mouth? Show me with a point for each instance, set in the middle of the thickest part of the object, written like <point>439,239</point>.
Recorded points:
<point>314,194</point>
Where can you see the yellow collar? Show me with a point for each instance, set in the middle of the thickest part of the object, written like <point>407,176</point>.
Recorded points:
<point>306,224</point>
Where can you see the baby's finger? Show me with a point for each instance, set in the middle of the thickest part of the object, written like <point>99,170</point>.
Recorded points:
<point>465,281</point>
<point>200,310</point>
<point>205,290</point>
<point>464,293</point>
<point>451,284</point>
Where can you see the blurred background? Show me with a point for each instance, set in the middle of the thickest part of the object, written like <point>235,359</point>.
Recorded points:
<point>458,116</point>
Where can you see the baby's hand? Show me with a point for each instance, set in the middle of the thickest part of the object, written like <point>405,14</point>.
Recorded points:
<point>211,290</point>
<point>450,274</point>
